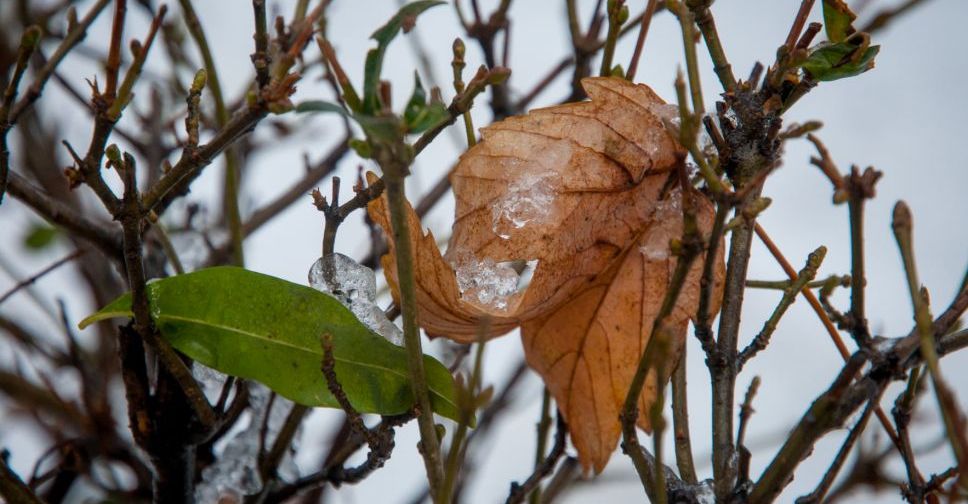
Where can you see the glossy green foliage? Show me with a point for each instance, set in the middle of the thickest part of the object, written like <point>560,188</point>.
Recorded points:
<point>262,328</point>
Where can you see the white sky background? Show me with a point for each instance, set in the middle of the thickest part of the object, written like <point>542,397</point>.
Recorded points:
<point>905,117</point>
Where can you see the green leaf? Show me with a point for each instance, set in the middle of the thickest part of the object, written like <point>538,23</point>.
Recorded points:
<point>417,102</point>
<point>838,61</point>
<point>40,236</point>
<point>837,20</point>
<point>429,116</point>
<point>381,127</point>
<point>320,106</point>
<point>384,35</point>
<point>258,327</point>
<point>361,148</point>
<point>419,115</point>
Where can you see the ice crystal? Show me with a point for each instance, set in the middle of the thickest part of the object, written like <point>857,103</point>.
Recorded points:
<point>354,285</point>
<point>486,282</point>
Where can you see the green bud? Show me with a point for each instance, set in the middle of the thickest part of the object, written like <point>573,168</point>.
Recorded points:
<point>198,83</point>
<point>280,106</point>
<point>113,154</point>
<point>498,75</point>
<point>31,37</point>
<point>623,15</point>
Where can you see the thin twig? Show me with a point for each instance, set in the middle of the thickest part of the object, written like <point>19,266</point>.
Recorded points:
<point>543,427</point>
<point>640,41</point>
<point>889,14</point>
<point>659,337</point>
<point>75,36</point>
<point>532,484</point>
<point>707,26</point>
<point>12,487</point>
<point>954,419</point>
<point>104,237</point>
<point>680,423</point>
<point>828,478</point>
<point>822,315</point>
<point>762,339</point>
<point>798,23</point>
<point>230,196</point>
<point>40,274</point>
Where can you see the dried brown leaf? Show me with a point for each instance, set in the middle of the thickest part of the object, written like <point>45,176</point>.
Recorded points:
<point>582,190</point>
<point>588,350</point>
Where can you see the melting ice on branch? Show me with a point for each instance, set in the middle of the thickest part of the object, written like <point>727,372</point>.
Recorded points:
<point>236,472</point>
<point>354,285</point>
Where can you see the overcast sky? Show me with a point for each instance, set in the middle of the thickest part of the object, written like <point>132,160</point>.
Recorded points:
<point>905,117</point>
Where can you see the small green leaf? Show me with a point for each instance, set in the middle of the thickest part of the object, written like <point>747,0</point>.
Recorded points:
<point>429,116</point>
<point>417,102</point>
<point>361,148</point>
<point>258,327</point>
<point>384,35</point>
<point>837,19</point>
<point>380,128</point>
<point>419,115</point>
<point>320,106</point>
<point>838,61</point>
<point>40,236</point>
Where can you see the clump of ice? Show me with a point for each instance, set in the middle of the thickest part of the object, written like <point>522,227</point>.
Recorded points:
<point>527,199</point>
<point>354,285</point>
<point>668,113</point>
<point>486,282</point>
<point>705,493</point>
<point>210,379</point>
<point>531,192</point>
<point>655,247</point>
<point>235,472</point>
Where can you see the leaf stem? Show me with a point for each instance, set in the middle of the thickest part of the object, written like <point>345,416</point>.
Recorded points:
<point>543,469</point>
<point>395,167</point>
<point>707,281</point>
<point>783,284</point>
<point>828,478</point>
<point>28,44</point>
